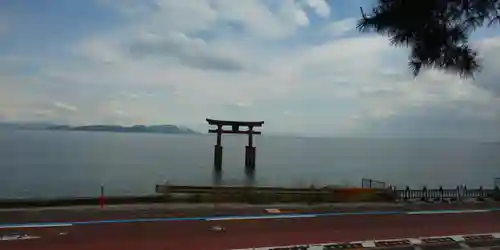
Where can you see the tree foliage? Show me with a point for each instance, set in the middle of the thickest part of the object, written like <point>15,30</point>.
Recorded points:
<point>436,31</point>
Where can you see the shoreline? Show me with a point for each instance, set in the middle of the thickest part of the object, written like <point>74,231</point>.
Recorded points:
<point>208,194</point>
<point>169,195</point>
<point>79,201</point>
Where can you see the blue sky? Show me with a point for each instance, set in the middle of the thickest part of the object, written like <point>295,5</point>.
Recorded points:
<point>301,66</point>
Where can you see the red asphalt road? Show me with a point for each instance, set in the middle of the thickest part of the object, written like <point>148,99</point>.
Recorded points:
<point>194,235</point>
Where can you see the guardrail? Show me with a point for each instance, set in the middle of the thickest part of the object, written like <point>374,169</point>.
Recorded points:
<point>331,194</point>
<point>278,194</point>
<point>175,189</point>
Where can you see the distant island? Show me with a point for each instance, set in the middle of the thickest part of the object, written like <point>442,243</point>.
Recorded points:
<point>161,129</point>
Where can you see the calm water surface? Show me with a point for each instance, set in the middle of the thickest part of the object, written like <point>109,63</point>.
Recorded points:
<point>58,163</point>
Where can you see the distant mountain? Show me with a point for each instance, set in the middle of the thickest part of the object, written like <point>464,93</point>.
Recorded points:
<point>163,129</point>
<point>24,125</point>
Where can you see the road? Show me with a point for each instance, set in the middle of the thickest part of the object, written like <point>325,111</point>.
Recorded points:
<point>245,233</point>
<point>136,211</point>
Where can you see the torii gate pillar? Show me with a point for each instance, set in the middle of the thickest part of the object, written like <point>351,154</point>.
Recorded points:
<point>250,152</point>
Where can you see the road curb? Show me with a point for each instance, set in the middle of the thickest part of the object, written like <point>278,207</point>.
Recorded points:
<point>437,242</point>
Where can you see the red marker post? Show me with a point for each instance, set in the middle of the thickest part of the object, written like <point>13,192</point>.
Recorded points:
<point>101,198</point>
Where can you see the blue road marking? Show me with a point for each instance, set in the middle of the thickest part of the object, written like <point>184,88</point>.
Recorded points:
<point>361,213</point>
<point>138,220</point>
<point>246,217</point>
<point>219,218</point>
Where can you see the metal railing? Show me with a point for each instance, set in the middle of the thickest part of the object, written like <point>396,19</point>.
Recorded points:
<point>461,192</point>
<point>369,183</point>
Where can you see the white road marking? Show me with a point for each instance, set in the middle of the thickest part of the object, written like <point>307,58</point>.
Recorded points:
<point>17,237</point>
<point>457,237</point>
<point>368,243</point>
<point>273,210</point>
<point>316,247</point>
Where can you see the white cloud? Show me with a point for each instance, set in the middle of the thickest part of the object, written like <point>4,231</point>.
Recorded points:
<point>255,17</point>
<point>65,106</point>
<point>301,18</point>
<point>320,6</point>
<point>45,113</point>
<point>182,61</point>
<point>192,52</point>
<point>341,27</point>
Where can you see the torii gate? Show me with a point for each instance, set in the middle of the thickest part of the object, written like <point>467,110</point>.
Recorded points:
<point>249,149</point>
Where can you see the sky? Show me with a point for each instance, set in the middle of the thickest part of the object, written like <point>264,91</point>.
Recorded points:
<point>299,65</point>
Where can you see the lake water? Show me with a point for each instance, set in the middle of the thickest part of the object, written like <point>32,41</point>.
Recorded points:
<point>61,164</point>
